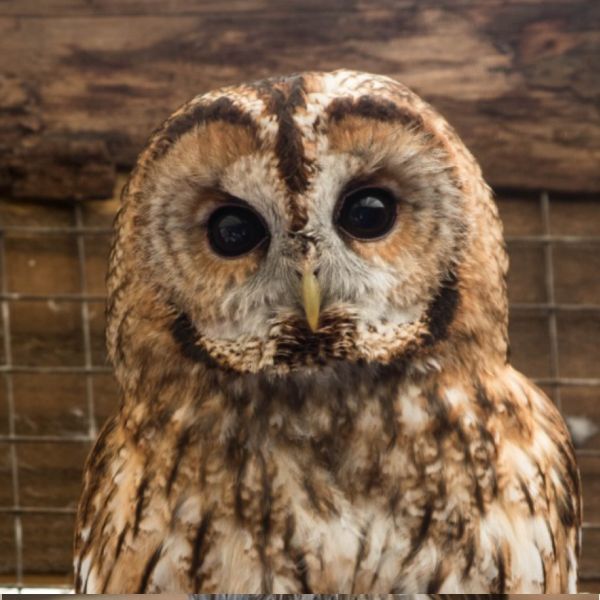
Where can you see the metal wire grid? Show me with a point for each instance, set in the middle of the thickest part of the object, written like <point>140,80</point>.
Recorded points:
<point>88,369</point>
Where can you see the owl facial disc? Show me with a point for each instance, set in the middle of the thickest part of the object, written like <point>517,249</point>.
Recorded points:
<point>345,178</point>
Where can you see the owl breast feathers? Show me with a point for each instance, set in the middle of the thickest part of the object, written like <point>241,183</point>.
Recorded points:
<point>307,318</point>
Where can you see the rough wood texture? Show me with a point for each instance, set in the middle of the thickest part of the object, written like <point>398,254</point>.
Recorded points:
<point>82,84</point>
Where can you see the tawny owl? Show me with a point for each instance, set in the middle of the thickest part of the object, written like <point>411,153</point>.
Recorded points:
<point>307,318</point>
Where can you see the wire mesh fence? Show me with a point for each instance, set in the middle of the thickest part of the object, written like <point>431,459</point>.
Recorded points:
<point>52,301</point>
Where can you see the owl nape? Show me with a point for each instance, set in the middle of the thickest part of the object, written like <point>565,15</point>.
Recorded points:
<point>307,320</point>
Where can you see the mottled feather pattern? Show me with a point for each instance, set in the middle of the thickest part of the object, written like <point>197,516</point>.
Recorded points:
<point>392,450</point>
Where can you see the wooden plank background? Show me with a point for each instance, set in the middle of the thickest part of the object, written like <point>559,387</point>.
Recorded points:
<point>83,83</point>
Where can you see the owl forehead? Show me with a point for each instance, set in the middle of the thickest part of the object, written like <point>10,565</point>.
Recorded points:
<point>293,113</point>
<point>308,94</point>
<point>290,119</point>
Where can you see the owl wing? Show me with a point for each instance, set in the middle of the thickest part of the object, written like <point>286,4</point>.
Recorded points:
<point>541,489</point>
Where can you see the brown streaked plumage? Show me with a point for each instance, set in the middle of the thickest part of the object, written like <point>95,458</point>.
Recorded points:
<point>391,450</point>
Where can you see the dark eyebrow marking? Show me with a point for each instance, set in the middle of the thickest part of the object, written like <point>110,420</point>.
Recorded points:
<point>370,107</point>
<point>223,109</point>
<point>292,163</point>
<point>283,99</point>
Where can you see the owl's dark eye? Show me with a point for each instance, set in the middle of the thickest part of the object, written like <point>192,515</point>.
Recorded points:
<point>235,230</point>
<point>368,213</point>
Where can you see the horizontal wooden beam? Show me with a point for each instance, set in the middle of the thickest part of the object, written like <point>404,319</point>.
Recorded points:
<point>65,8</point>
<point>82,84</point>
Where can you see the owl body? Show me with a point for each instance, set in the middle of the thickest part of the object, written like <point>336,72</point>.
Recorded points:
<point>307,318</point>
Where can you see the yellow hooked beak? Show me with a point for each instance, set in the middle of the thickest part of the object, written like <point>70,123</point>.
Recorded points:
<point>311,298</point>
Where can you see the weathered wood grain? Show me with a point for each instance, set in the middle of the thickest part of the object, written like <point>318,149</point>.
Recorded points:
<point>82,84</point>
<point>50,8</point>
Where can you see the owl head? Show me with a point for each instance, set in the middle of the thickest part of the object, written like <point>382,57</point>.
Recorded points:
<point>304,221</point>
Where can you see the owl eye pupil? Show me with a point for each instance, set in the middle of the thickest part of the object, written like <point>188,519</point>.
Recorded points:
<point>235,230</point>
<point>368,213</point>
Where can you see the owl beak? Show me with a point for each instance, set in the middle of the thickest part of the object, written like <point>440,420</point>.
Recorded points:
<point>311,298</point>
